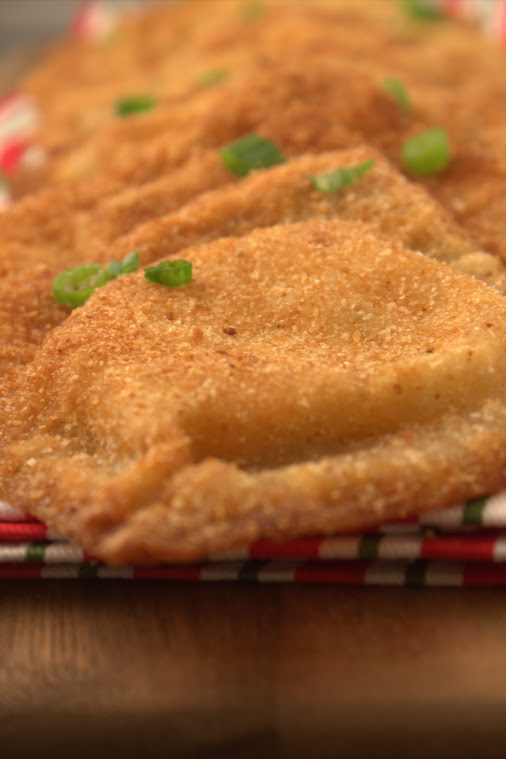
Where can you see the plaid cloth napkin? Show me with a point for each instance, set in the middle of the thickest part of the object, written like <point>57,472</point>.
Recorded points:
<point>460,546</point>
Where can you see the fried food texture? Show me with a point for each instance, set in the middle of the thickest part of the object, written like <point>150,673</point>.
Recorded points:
<point>335,361</point>
<point>335,102</point>
<point>157,215</point>
<point>328,105</point>
<point>383,198</point>
<point>312,377</point>
<point>398,209</point>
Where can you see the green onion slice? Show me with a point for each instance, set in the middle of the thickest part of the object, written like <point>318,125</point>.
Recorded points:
<point>249,153</point>
<point>423,10</point>
<point>396,88</point>
<point>74,286</point>
<point>213,76</point>
<point>130,263</point>
<point>134,104</point>
<point>427,152</point>
<point>114,269</point>
<point>170,273</point>
<point>340,178</point>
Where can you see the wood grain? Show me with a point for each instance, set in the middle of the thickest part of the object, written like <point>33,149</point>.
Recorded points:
<point>161,669</point>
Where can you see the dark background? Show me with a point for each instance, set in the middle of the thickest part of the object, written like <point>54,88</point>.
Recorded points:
<point>30,22</point>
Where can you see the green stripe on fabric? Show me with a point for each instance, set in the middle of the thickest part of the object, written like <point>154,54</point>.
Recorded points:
<point>36,550</point>
<point>250,569</point>
<point>473,512</point>
<point>88,571</point>
<point>415,573</point>
<point>368,546</point>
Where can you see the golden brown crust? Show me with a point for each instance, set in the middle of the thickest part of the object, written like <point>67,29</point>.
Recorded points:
<point>27,314</point>
<point>312,378</point>
<point>383,198</point>
<point>193,39</point>
<point>375,39</point>
<point>325,106</point>
<point>30,234</point>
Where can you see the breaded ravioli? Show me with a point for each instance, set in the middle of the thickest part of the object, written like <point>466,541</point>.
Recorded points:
<point>78,86</point>
<point>311,378</point>
<point>322,106</point>
<point>398,209</point>
<point>325,104</point>
<point>277,70</point>
<point>175,49</point>
<point>179,209</point>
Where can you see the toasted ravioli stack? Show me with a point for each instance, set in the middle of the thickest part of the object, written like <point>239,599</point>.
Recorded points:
<point>255,287</point>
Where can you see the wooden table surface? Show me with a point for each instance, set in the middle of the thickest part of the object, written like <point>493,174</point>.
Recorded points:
<point>156,669</point>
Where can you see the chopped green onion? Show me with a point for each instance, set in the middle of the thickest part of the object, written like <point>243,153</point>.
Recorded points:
<point>424,10</point>
<point>213,76</point>
<point>396,88</point>
<point>114,269</point>
<point>252,10</point>
<point>250,152</point>
<point>170,273</point>
<point>135,104</point>
<point>74,286</point>
<point>130,263</point>
<point>340,178</point>
<point>427,152</point>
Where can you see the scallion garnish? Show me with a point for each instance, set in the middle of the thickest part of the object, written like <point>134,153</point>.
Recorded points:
<point>134,104</point>
<point>396,88</point>
<point>170,273</point>
<point>427,152</point>
<point>249,153</point>
<point>423,10</point>
<point>74,286</point>
<point>130,263</point>
<point>340,178</point>
<point>213,76</point>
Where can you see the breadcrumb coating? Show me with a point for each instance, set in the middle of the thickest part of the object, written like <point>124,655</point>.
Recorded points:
<point>313,377</point>
<point>333,364</point>
<point>394,207</point>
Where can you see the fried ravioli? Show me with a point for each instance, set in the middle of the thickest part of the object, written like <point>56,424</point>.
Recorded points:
<point>391,205</point>
<point>167,50</point>
<point>373,40</point>
<point>383,198</point>
<point>324,106</point>
<point>311,378</point>
<point>327,105</point>
<point>332,365</point>
<point>78,85</point>
<point>166,214</point>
